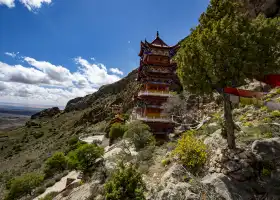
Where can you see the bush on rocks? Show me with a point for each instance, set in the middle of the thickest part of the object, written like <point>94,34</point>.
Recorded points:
<point>139,134</point>
<point>191,152</point>
<point>117,130</point>
<point>126,183</point>
<point>56,163</point>
<point>84,157</point>
<point>39,190</point>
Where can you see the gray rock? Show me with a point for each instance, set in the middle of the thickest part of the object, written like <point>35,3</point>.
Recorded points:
<point>212,169</point>
<point>232,166</point>
<point>174,174</point>
<point>228,188</point>
<point>267,150</point>
<point>243,155</point>
<point>215,140</point>
<point>242,174</point>
<point>212,127</point>
<point>175,192</point>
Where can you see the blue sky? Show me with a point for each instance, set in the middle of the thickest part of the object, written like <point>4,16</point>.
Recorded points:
<point>63,42</point>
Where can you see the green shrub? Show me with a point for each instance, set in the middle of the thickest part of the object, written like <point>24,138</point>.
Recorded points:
<point>243,117</point>
<point>116,131</point>
<point>268,135</point>
<point>267,100</point>
<point>139,134</point>
<point>191,152</point>
<point>246,101</point>
<point>275,113</point>
<point>145,154</point>
<point>125,116</point>
<point>49,196</point>
<point>249,124</point>
<point>267,120</point>
<point>56,163</point>
<point>126,183</point>
<point>266,172</point>
<point>72,160</point>
<point>39,190</point>
<point>165,162</point>
<point>24,185</point>
<point>73,140</point>
<point>72,145</point>
<point>84,157</point>
<point>50,183</point>
<point>264,108</point>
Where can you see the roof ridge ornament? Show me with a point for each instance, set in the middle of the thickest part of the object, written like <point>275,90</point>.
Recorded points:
<point>157,34</point>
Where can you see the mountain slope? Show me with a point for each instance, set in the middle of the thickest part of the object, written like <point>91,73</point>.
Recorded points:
<point>26,148</point>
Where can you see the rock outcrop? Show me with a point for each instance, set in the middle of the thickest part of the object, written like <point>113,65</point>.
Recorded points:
<point>270,8</point>
<point>237,164</point>
<point>50,112</point>
<point>267,150</point>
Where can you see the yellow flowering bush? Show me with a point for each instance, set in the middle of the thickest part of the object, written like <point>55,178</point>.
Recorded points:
<point>190,151</point>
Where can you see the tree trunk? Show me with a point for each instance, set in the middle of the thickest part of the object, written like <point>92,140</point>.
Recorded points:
<point>229,124</point>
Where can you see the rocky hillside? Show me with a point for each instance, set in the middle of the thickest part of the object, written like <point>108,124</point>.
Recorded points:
<point>24,149</point>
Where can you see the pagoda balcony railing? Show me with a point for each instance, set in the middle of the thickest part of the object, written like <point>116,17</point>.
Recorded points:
<point>154,118</point>
<point>156,93</point>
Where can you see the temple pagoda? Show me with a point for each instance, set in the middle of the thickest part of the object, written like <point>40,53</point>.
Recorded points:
<point>157,75</point>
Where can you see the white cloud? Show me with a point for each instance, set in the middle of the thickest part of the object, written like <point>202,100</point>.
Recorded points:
<point>31,5</point>
<point>116,71</point>
<point>20,74</point>
<point>8,3</point>
<point>57,73</point>
<point>34,4</point>
<point>12,54</point>
<point>43,83</point>
<point>92,58</point>
<point>95,74</point>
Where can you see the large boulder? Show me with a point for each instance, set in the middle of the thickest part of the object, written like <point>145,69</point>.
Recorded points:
<point>216,140</point>
<point>228,188</point>
<point>176,191</point>
<point>174,174</point>
<point>267,149</point>
<point>50,112</point>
